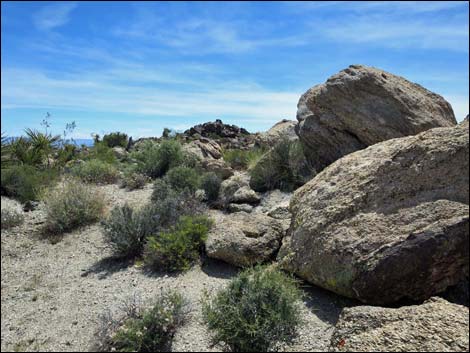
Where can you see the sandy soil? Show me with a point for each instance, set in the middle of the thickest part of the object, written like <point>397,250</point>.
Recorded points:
<point>53,294</point>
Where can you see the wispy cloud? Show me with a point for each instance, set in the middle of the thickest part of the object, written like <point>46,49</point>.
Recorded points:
<point>33,89</point>
<point>54,15</point>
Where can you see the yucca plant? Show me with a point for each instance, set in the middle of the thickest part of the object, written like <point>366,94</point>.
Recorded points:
<point>43,143</point>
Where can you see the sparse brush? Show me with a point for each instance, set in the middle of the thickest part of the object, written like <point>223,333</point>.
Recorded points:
<point>210,183</point>
<point>25,182</point>
<point>256,312</point>
<point>96,171</point>
<point>11,218</point>
<point>156,159</point>
<point>70,205</point>
<point>183,179</point>
<point>144,328</point>
<point>115,139</point>
<point>133,181</point>
<point>178,248</point>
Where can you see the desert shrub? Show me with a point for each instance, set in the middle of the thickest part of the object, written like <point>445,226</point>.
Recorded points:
<point>156,159</point>
<point>210,183</point>
<point>284,167</point>
<point>11,218</point>
<point>178,248</point>
<point>256,312</point>
<point>161,190</point>
<point>242,159</point>
<point>115,139</point>
<point>133,181</point>
<point>25,182</point>
<point>183,179</point>
<point>71,205</point>
<point>126,229</point>
<point>102,152</point>
<point>142,329</point>
<point>66,153</point>
<point>95,171</point>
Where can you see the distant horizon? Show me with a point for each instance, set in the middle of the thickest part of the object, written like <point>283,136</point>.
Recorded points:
<point>138,67</point>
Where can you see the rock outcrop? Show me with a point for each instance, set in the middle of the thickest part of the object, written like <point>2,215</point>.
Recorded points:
<point>244,239</point>
<point>361,106</point>
<point>435,326</point>
<point>216,129</point>
<point>237,190</point>
<point>387,222</point>
<point>204,148</point>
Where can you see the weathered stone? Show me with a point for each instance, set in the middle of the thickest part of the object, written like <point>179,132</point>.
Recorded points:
<point>217,128</point>
<point>219,167</point>
<point>435,326</point>
<point>203,149</point>
<point>119,152</point>
<point>387,222</point>
<point>239,207</point>
<point>243,239</point>
<point>361,106</point>
<point>283,129</point>
<point>237,190</point>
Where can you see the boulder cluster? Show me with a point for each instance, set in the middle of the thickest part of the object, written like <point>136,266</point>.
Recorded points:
<point>384,220</point>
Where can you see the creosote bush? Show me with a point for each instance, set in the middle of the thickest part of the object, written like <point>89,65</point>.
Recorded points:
<point>178,248</point>
<point>96,171</point>
<point>71,205</point>
<point>144,329</point>
<point>25,182</point>
<point>210,183</point>
<point>256,312</point>
<point>100,151</point>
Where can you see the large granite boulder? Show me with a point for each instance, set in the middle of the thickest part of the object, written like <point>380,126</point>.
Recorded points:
<point>244,239</point>
<point>435,326</point>
<point>361,106</point>
<point>284,129</point>
<point>387,222</point>
<point>203,149</point>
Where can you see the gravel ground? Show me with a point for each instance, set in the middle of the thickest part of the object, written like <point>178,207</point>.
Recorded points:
<point>54,294</point>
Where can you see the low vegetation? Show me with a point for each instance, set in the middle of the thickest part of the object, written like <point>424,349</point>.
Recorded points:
<point>26,182</point>
<point>256,312</point>
<point>210,183</point>
<point>115,139</point>
<point>132,181</point>
<point>154,160</point>
<point>284,167</point>
<point>96,171</point>
<point>178,248</point>
<point>70,205</point>
<point>144,329</point>
<point>183,179</point>
<point>243,159</point>
<point>11,218</point>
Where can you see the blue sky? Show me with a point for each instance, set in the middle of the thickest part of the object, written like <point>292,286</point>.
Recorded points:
<point>140,66</point>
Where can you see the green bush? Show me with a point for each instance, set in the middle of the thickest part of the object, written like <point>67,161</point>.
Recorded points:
<point>25,182</point>
<point>100,151</point>
<point>71,205</point>
<point>284,167</point>
<point>178,248</point>
<point>145,330</point>
<point>210,183</point>
<point>242,159</point>
<point>256,312</point>
<point>133,181</point>
<point>115,139</point>
<point>126,229</point>
<point>156,159</point>
<point>11,218</point>
<point>183,179</point>
<point>95,171</point>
